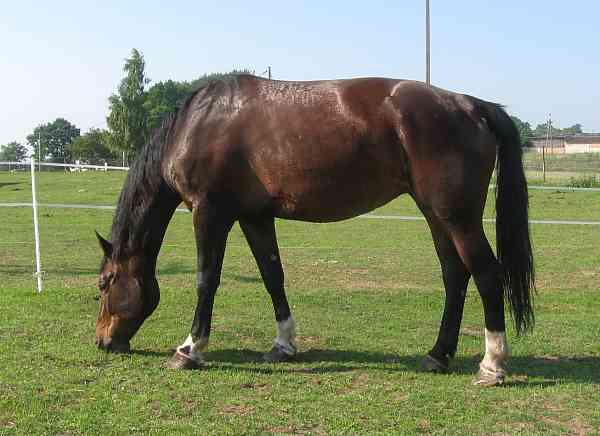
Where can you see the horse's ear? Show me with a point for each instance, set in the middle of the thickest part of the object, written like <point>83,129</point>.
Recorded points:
<point>106,246</point>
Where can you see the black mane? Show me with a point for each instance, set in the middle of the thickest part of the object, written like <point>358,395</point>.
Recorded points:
<point>132,221</point>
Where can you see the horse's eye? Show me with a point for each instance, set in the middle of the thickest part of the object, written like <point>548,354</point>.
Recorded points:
<point>105,281</point>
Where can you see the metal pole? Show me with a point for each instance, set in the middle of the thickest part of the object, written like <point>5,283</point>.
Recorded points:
<point>38,266</point>
<point>428,43</point>
<point>269,73</point>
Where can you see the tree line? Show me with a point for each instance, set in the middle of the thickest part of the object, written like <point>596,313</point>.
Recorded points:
<point>541,130</point>
<point>135,111</point>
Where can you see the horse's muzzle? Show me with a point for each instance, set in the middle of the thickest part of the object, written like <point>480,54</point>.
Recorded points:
<point>112,346</point>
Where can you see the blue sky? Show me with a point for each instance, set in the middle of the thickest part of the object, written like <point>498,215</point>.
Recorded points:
<point>64,58</point>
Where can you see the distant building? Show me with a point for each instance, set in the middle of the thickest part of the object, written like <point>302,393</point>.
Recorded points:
<point>579,143</point>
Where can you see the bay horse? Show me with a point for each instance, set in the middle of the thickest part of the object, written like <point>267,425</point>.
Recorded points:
<point>251,150</point>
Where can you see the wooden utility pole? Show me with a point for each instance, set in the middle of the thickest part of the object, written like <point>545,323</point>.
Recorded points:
<point>547,144</point>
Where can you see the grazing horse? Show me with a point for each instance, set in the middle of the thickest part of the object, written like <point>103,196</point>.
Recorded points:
<point>248,149</point>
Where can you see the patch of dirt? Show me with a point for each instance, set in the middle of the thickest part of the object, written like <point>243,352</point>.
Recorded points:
<point>315,430</point>
<point>423,426</point>
<point>6,423</point>
<point>516,427</point>
<point>576,425</point>
<point>259,388</point>
<point>310,341</point>
<point>237,409</point>
<point>469,330</point>
<point>360,381</point>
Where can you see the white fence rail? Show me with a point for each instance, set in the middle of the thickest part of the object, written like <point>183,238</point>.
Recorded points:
<point>71,166</point>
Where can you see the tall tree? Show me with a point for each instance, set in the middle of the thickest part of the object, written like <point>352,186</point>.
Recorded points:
<point>55,138</point>
<point>128,118</point>
<point>93,147</point>
<point>13,152</point>
<point>163,98</point>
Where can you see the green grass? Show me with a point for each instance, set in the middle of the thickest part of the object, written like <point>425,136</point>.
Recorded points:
<point>367,296</point>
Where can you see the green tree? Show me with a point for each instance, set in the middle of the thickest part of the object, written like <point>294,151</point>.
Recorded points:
<point>525,131</point>
<point>13,152</point>
<point>204,79</point>
<point>541,130</point>
<point>128,117</point>
<point>162,99</point>
<point>93,147</point>
<point>55,138</point>
<point>573,130</point>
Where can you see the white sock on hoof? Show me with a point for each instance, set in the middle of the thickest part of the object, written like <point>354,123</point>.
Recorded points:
<point>192,348</point>
<point>286,336</point>
<point>496,351</point>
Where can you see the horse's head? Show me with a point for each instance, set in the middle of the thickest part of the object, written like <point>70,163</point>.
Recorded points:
<point>128,295</point>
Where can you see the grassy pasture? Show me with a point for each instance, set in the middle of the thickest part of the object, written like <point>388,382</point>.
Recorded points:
<point>562,168</point>
<point>367,296</point>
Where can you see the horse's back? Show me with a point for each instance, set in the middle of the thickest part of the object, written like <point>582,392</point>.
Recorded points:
<point>323,150</point>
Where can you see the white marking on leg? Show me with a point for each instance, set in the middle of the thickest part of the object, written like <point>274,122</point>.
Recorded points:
<point>286,336</point>
<point>496,352</point>
<point>193,347</point>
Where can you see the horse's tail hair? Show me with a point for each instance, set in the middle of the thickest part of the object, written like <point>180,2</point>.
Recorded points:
<point>512,224</point>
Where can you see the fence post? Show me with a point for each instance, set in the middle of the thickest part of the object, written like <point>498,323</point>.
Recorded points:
<point>38,266</point>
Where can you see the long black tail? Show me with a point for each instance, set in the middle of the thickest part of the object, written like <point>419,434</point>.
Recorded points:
<point>512,225</point>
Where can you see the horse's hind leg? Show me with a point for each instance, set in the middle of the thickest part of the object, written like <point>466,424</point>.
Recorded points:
<point>260,234</point>
<point>211,229</point>
<point>476,253</point>
<point>456,277</point>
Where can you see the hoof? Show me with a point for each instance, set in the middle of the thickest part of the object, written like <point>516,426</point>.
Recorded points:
<point>277,354</point>
<point>431,364</point>
<point>487,377</point>
<point>181,361</point>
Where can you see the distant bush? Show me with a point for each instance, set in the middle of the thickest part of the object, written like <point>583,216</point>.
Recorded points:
<point>584,182</point>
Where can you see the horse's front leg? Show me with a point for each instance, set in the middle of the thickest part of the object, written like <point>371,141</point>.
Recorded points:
<point>211,230</point>
<point>260,234</point>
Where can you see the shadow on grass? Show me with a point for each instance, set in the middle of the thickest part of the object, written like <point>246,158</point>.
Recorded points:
<point>73,271</point>
<point>521,368</point>
<point>54,271</point>
<point>152,353</point>
<point>2,185</point>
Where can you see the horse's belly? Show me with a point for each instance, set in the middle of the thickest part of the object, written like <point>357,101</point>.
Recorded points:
<point>326,197</point>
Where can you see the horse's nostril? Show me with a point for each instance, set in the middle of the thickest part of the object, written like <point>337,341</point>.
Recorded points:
<point>102,344</point>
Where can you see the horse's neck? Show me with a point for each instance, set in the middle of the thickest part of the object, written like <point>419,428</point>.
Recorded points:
<point>140,223</point>
<point>159,216</point>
